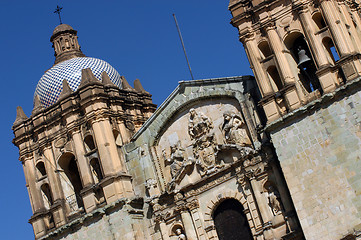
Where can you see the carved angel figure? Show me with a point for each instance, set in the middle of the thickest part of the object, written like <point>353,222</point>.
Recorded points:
<point>234,130</point>
<point>198,124</point>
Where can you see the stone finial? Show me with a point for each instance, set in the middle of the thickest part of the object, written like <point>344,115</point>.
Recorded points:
<point>125,84</point>
<point>37,105</point>
<point>106,80</point>
<point>87,77</point>
<point>20,116</point>
<point>66,90</point>
<point>138,86</point>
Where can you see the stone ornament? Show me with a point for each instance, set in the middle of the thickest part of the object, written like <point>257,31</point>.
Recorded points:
<point>274,202</point>
<point>234,130</point>
<point>177,161</point>
<point>198,124</point>
<point>180,234</point>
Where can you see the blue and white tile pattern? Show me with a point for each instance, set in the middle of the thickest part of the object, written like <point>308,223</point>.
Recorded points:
<point>50,84</point>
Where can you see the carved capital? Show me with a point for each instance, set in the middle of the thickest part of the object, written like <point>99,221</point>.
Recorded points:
<point>193,204</point>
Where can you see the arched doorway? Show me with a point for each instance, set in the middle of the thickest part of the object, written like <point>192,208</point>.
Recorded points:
<point>230,221</point>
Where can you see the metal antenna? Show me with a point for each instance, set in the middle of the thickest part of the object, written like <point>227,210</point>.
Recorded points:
<point>58,10</point>
<point>184,49</point>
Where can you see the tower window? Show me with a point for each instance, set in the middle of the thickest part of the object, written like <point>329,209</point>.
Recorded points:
<point>72,184</point>
<point>265,49</point>
<point>96,170</point>
<point>89,143</point>
<point>275,78</point>
<point>318,19</point>
<point>330,48</point>
<point>41,169</point>
<point>46,193</point>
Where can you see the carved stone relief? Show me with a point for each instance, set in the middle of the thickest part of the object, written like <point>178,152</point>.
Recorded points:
<point>234,130</point>
<point>202,141</point>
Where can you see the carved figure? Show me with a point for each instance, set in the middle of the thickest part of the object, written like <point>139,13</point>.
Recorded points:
<point>234,130</point>
<point>273,197</point>
<point>198,124</point>
<point>176,158</point>
<point>180,234</point>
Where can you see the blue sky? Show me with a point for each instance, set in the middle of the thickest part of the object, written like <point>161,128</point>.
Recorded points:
<point>138,38</point>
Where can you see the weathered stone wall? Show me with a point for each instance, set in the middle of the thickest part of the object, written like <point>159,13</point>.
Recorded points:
<point>320,156</point>
<point>116,221</point>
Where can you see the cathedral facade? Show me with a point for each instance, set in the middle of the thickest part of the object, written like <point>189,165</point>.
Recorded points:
<point>275,156</point>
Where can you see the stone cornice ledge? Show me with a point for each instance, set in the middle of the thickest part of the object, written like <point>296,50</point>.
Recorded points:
<point>326,99</point>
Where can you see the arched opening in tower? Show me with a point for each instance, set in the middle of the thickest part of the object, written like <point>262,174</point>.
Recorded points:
<point>71,181</point>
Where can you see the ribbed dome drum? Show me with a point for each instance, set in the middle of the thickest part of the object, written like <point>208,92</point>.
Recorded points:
<point>50,84</point>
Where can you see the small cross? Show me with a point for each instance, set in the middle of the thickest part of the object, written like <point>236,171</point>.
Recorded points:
<point>58,10</point>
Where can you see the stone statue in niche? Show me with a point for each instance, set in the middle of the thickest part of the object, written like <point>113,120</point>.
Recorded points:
<point>273,198</point>
<point>234,130</point>
<point>180,234</point>
<point>198,124</point>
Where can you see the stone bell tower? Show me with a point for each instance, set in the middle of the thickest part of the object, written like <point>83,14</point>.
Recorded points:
<point>84,112</point>
<point>298,50</point>
<point>305,55</point>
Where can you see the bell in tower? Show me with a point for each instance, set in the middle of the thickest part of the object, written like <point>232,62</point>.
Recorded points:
<point>307,67</point>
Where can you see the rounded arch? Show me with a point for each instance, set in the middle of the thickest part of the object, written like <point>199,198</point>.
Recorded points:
<point>117,137</point>
<point>188,103</point>
<point>291,37</point>
<point>220,198</point>
<point>274,77</point>
<point>231,222</point>
<point>96,169</point>
<point>214,202</point>
<point>41,171</point>
<point>47,195</point>
<point>89,143</point>
<point>71,180</point>
<point>332,55</point>
<point>264,48</point>
<point>318,20</point>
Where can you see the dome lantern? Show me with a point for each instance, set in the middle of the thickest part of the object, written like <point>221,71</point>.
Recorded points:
<point>65,43</point>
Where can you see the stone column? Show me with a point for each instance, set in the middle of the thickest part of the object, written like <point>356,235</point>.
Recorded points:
<point>316,46</point>
<point>34,193</point>
<point>255,57</point>
<point>107,148</point>
<point>261,201</point>
<point>53,176</point>
<point>278,49</point>
<point>84,168</point>
<point>337,28</point>
<point>354,35</point>
<point>84,171</point>
<point>189,228</point>
<point>163,230</point>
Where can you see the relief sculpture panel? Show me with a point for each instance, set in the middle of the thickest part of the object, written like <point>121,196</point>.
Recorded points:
<point>194,143</point>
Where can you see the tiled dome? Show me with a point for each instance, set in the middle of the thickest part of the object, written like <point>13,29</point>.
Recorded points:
<point>50,84</point>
